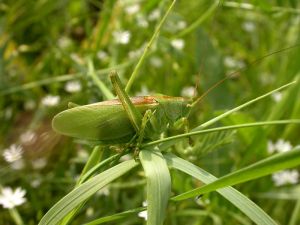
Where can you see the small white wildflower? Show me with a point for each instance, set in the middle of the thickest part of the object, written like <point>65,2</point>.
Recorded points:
<point>181,25</point>
<point>39,163</point>
<point>154,15</point>
<point>17,165</point>
<point>73,86</point>
<point>178,44</point>
<point>283,146</point>
<point>8,113</point>
<point>230,62</point>
<point>279,146</point>
<point>50,100</point>
<point>145,203</point>
<point>28,137</point>
<point>24,48</point>
<point>122,37</point>
<point>76,58</point>
<point>89,211</point>
<point>143,214</point>
<point>277,96</point>
<point>83,154</point>
<point>141,21</point>
<point>10,199</point>
<point>188,91</point>
<point>102,55</point>
<point>29,105</point>
<point>35,183</point>
<point>13,153</point>
<point>249,26</point>
<point>64,42</point>
<point>132,9</point>
<point>104,191</point>
<point>156,62</point>
<point>285,177</point>
<point>136,53</point>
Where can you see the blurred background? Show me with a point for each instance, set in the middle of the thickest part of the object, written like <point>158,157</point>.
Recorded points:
<point>49,49</point>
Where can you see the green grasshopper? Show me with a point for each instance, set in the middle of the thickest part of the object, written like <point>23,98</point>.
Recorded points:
<point>122,120</point>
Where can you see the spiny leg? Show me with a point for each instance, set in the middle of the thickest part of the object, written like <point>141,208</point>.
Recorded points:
<point>141,133</point>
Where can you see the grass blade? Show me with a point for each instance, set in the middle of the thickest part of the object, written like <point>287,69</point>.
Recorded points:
<point>264,167</point>
<point>116,216</point>
<point>254,212</point>
<point>212,121</point>
<point>158,185</point>
<point>147,48</point>
<point>175,138</point>
<point>84,191</point>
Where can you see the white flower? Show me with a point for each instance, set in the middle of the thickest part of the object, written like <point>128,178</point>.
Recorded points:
<point>178,44</point>
<point>35,183</point>
<point>64,42</point>
<point>29,105</point>
<point>122,37</point>
<point>132,9</point>
<point>89,211</point>
<point>188,91</point>
<point>83,154</point>
<point>156,62</point>
<point>137,52</point>
<point>17,165</point>
<point>285,177</point>
<point>8,113</point>
<point>283,146</point>
<point>13,153</point>
<point>249,26</point>
<point>76,58</point>
<point>102,55</point>
<point>50,100</point>
<point>73,86</point>
<point>141,21</point>
<point>143,214</point>
<point>279,146</point>
<point>230,62</point>
<point>181,25</point>
<point>277,96</point>
<point>154,15</point>
<point>9,198</point>
<point>39,163</point>
<point>28,137</point>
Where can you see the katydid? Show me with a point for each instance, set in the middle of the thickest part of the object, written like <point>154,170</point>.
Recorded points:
<point>108,122</point>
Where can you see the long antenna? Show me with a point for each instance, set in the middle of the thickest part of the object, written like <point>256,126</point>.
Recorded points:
<point>239,71</point>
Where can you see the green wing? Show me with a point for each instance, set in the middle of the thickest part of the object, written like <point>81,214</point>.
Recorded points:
<point>94,122</point>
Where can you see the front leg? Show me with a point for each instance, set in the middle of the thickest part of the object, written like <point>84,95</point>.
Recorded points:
<point>133,114</point>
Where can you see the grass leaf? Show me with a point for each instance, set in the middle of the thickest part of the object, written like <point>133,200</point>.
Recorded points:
<point>254,212</point>
<point>264,167</point>
<point>158,185</point>
<point>84,191</point>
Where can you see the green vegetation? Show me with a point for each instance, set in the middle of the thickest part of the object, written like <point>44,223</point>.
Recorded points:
<point>245,131</point>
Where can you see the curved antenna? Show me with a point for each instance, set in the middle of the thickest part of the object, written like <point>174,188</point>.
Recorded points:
<point>239,71</point>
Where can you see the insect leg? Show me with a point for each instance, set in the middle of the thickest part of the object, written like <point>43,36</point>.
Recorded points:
<point>133,114</point>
